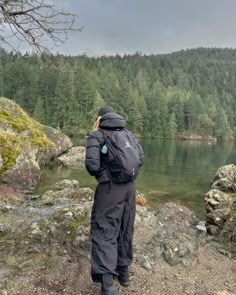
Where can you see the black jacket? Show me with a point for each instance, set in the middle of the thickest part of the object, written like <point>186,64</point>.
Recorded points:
<point>95,161</point>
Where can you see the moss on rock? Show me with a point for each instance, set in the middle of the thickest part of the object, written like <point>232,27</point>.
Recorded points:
<point>10,147</point>
<point>17,131</point>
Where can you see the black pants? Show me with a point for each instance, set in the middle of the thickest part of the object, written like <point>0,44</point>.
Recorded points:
<point>112,227</point>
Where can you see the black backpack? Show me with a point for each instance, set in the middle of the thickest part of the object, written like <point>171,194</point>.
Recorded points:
<point>122,160</point>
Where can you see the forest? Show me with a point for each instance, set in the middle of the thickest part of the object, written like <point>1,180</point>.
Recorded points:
<point>160,96</point>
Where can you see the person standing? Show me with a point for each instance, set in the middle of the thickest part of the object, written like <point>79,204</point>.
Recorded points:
<point>113,156</point>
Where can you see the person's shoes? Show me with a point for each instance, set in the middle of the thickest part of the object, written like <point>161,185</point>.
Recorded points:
<point>96,278</point>
<point>107,287</point>
<point>123,275</point>
<point>112,290</point>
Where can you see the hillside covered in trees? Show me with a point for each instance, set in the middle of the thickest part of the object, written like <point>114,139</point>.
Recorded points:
<point>159,95</point>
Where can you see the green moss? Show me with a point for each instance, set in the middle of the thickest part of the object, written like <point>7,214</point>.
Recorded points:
<point>10,147</point>
<point>45,223</point>
<point>71,227</point>
<point>66,226</point>
<point>20,122</point>
<point>13,117</point>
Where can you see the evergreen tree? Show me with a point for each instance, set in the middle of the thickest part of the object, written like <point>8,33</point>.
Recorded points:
<point>98,103</point>
<point>171,129</point>
<point>222,129</point>
<point>39,111</point>
<point>191,90</point>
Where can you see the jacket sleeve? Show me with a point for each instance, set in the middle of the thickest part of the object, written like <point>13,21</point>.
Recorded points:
<point>93,155</point>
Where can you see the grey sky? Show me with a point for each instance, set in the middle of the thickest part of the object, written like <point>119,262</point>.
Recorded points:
<point>150,26</point>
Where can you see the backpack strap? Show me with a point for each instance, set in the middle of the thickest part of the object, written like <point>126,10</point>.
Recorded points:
<point>100,136</point>
<point>105,136</point>
<point>107,141</point>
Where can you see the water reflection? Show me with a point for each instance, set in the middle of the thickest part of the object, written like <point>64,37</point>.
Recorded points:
<point>182,170</point>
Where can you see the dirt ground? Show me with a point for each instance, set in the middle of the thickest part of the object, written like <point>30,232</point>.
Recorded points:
<point>210,273</point>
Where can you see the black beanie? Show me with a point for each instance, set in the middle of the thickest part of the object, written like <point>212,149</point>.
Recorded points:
<point>104,110</point>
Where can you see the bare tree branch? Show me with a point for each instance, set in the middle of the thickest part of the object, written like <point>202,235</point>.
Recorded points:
<point>37,22</point>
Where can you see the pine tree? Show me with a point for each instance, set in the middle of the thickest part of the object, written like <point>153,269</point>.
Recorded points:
<point>171,128</point>
<point>39,111</point>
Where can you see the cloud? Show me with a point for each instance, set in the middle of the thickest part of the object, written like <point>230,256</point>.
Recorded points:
<point>151,26</point>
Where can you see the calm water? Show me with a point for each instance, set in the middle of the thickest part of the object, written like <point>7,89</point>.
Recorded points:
<point>179,171</point>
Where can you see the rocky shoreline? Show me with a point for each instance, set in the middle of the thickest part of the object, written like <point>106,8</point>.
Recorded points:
<point>45,246</point>
<point>44,239</point>
<point>196,137</point>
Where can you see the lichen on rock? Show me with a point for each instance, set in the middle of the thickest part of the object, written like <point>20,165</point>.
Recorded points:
<point>17,122</point>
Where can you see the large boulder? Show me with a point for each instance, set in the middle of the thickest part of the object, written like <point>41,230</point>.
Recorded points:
<point>74,158</point>
<point>61,144</point>
<point>225,179</point>
<point>176,237</point>
<point>1,162</point>
<point>66,190</point>
<point>25,146</point>
<point>220,207</point>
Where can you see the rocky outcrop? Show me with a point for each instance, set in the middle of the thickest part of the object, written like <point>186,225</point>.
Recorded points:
<point>66,191</point>
<point>45,245</point>
<point>219,209</point>
<point>24,174</point>
<point>1,162</point>
<point>220,206</point>
<point>41,235</point>
<point>74,158</point>
<point>61,144</point>
<point>25,146</point>
<point>9,196</point>
<point>225,179</point>
<point>51,232</point>
<point>175,238</point>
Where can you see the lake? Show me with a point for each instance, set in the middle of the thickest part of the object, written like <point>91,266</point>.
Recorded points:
<point>179,171</point>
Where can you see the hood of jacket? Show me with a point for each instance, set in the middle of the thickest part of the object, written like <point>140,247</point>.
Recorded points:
<point>112,121</point>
